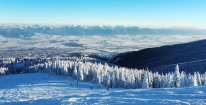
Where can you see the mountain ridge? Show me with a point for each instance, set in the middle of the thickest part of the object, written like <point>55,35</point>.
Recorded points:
<point>28,30</point>
<point>160,56</point>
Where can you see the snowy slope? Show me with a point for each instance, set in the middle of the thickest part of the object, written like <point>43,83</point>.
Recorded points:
<point>192,53</point>
<point>45,89</point>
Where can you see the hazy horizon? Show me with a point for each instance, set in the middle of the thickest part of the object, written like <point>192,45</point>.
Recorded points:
<point>103,25</point>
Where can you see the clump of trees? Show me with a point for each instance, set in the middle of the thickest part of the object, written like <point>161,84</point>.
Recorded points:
<point>3,70</point>
<point>120,77</point>
<point>109,76</point>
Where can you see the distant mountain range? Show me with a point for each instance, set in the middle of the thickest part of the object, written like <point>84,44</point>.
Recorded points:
<point>28,30</point>
<point>190,56</point>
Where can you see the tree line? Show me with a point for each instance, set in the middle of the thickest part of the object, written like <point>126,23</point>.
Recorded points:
<point>120,77</point>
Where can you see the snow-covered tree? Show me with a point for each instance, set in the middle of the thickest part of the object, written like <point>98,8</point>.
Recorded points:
<point>113,76</point>
<point>75,73</point>
<point>193,80</point>
<point>107,80</point>
<point>170,80</point>
<point>204,79</point>
<point>176,77</point>
<point>199,81</point>
<point>145,83</point>
<point>3,70</point>
<point>80,72</point>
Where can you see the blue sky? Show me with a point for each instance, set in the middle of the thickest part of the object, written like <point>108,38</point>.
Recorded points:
<point>146,13</point>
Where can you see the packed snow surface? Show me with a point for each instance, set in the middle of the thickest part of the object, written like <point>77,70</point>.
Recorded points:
<point>46,89</point>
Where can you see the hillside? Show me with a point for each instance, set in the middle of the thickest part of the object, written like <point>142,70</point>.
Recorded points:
<point>44,89</point>
<point>165,55</point>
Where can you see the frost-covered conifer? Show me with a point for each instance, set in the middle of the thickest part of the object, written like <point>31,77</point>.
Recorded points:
<point>75,72</point>
<point>194,80</point>
<point>199,81</point>
<point>170,80</point>
<point>176,77</point>
<point>205,79</point>
<point>145,83</point>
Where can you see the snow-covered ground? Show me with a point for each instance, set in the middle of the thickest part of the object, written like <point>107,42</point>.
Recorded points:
<point>96,43</point>
<point>46,89</point>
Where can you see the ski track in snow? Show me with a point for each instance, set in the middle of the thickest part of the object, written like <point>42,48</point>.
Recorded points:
<point>46,89</point>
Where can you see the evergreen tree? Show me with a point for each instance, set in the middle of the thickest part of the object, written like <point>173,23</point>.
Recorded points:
<point>75,72</point>
<point>199,81</point>
<point>176,77</point>
<point>194,80</point>
<point>205,79</point>
<point>80,73</point>
<point>170,80</point>
<point>145,83</point>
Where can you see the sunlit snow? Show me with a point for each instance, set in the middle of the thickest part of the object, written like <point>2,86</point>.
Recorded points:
<point>45,89</point>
